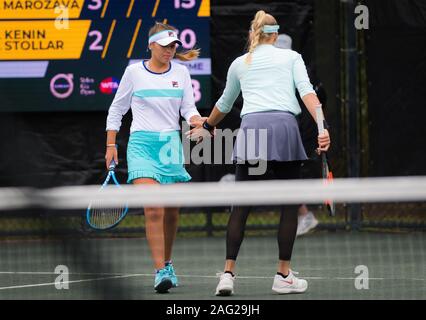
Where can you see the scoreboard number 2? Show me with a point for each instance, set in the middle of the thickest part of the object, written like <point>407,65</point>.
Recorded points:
<point>95,46</point>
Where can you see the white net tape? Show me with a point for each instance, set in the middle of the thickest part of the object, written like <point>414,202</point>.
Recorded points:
<point>400,189</point>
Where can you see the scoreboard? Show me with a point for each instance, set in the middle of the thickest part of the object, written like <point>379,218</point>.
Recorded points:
<point>69,55</point>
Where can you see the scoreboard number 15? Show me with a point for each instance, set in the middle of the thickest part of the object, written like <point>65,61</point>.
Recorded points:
<point>184,4</point>
<point>95,4</point>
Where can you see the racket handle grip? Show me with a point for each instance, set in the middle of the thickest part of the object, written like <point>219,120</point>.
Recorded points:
<point>320,119</point>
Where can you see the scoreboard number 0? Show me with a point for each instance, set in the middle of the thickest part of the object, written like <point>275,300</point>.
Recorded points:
<point>188,38</point>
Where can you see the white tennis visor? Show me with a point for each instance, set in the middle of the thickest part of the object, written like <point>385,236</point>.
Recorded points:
<point>164,38</point>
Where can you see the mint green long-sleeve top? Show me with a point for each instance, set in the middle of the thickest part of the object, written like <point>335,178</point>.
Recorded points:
<point>268,83</point>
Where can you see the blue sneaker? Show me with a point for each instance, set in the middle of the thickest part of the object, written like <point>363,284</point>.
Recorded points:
<point>172,274</point>
<point>162,281</point>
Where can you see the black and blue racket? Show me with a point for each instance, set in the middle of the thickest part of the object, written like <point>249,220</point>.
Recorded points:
<point>100,217</point>
<point>327,175</point>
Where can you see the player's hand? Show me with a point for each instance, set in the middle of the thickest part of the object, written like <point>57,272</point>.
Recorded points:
<point>111,154</point>
<point>324,142</point>
<point>198,122</point>
<point>198,134</point>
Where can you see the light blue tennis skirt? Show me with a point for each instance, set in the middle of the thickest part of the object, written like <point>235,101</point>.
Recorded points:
<point>156,155</point>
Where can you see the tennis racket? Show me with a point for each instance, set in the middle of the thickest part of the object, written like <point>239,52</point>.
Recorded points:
<point>327,175</point>
<point>100,217</point>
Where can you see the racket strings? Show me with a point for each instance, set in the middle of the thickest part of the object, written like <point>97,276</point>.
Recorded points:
<point>102,218</point>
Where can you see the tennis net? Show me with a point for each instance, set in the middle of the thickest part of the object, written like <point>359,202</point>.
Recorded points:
<point>374,248</point>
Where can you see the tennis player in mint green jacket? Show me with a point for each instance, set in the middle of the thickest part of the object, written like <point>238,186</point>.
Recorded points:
<point>268,78</point>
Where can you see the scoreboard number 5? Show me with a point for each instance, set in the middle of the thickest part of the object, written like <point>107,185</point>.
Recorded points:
<point>184,4</point>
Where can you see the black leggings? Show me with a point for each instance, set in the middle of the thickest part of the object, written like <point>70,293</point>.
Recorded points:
<point>288,221</point>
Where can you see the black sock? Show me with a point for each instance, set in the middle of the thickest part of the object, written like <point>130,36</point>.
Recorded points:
<point>230,273</point>
<point>282,275</point>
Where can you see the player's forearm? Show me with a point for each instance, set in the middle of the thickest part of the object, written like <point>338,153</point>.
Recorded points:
<point>111,137</point>
<point>215,117</point>
<point>311,101</point>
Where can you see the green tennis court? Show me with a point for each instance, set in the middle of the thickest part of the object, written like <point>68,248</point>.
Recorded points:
<point>121,268</point>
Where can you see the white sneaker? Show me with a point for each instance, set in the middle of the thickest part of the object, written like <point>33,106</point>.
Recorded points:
<point>291,284</point>
<point>226,285</point>
<point>306,223</point>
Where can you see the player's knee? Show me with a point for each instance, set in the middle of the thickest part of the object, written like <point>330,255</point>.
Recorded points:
<point>154,214</point>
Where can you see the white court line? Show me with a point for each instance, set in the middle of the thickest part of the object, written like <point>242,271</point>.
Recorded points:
<point>149,275</point>
<point>122,276</point>
<point>67,282</point>
<point>73,273</point>
<point>189,276</point>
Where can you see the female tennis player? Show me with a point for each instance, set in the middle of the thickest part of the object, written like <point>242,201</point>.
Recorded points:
<point>268,78</point>
<point>158,91</point>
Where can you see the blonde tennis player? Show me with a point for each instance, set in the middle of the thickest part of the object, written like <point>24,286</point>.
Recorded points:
<point>268,78</point>
<point>158,91</point>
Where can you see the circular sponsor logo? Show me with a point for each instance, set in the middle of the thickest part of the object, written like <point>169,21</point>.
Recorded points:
<point>109,85</point>
<point>62,85</point>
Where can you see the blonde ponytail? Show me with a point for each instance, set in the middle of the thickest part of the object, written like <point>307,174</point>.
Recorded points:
<point>188,55</point>
<point>256,28</point>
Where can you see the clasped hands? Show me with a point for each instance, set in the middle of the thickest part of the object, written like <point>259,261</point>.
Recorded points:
<point>198,133</point>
